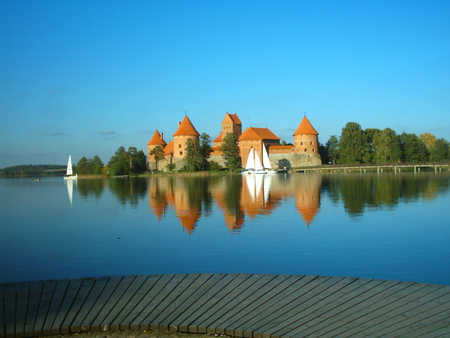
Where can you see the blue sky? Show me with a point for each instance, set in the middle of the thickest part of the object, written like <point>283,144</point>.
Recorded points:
<point>86,77</point>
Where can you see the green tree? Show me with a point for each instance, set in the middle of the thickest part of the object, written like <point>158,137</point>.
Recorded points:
<point>119,163</point>
<point>230,150</point>
<point>96,165</point>
<point>440,150</point>
<point>413,149</point>
<point>205,149</point>
<point>386,147</point>
<point>352,144</point>
<point>137,159</point>
<point>158,154</point>
<point>428,139</point>
<point>82,166</point>
<point>194,157</point>
<point>369,134</point>
<point>332,147</point>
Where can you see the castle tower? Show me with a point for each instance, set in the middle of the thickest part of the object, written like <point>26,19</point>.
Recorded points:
<point>185,131</point>
<point>306,140</point>
<point>156,140</point>
<point>230,124</point>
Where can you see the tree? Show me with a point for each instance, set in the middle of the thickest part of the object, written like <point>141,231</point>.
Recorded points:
<point>194,157</point>
<point>82,165</point>
<point>352,145</point>
<point>369,134</point>
<point>230,149</point>
<point>205,149</point>
<point>440,151</point>
<point>158,154</point>
<point>413,149</point>
<point>386,146</point>
<point>127,162</point>
<point>96,165</point>
<point>428,139</point>
<point>332,147</point>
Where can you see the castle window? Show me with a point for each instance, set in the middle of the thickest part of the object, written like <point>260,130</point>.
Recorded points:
<point>306,150</point>
<point>301,143</point>
<point>181,153</point>
<point>179,146</point>
<point>313,149</point>
<point>310,143</point>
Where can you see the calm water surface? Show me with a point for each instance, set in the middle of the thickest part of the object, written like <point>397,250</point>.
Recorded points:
<point>387,226</point>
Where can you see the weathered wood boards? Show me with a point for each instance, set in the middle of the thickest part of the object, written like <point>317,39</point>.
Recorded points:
<point>242,305</point>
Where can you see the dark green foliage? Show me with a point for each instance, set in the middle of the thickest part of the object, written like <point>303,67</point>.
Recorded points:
<point>386,147</point>
<point>214,166</point>
<point>440,151</point>
<point>332,149</point>
<point>34,170</point>
<point>89,166</point>
<point>413,149</point>
<point>129,162</point>
<point>158,153</point>
<point>230,149</point>
<point>369,135</point>
<point>194,157</point>
<point>205,149</point>
<point>352,144</point>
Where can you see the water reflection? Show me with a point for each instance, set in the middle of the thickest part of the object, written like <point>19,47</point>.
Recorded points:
<point>242,199</point>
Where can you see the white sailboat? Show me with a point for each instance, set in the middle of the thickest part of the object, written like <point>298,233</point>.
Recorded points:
<point>69,172</point>
<point>254,165</point>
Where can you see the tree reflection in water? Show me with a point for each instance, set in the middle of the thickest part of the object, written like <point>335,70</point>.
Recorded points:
<point>244,198</point>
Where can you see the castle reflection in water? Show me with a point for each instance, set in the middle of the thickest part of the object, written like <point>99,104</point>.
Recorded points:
<point>243,198</point>
<point>236,196</point>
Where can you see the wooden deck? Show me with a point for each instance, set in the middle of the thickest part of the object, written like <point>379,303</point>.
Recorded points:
<point>242,305</point>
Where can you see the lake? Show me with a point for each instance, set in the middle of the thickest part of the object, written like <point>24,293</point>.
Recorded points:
<point>383,226</point>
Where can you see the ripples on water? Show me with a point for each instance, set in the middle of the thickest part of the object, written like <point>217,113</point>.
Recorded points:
<point>386,226</point>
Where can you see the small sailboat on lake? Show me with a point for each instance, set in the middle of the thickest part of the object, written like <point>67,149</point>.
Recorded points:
<point>254,165</point>
<point>69,172</point>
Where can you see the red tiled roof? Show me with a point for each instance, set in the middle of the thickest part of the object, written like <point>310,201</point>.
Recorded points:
<point>186,128</point>
<point>235,118</point>
<point>218,138</point>
<point>157,139</point>
<point>169,148</point>
<point>305,127</point>
<point>253,133</point>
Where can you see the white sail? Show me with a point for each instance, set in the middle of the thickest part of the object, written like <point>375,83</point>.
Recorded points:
<point>258,165</point>
<point>69,167</point>
<point>266,162</point>
<point>251,159</point>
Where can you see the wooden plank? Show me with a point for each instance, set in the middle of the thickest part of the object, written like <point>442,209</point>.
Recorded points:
<point>184,302</point>
<point>33,306</point>
<point>280,302</point>
<point>85,316</point>
<point>243,304</point>
<point>416,304</point>
<point>322,306</point>
<point>165,303</point>
<point>386,289</point>
<point>413,314</point>
<point>215,301</point>
<point>198,299</point>
<point>44,305</point>
<point>90,322</point>
<point>433,326</point>
<point>135,321</point>
<point>309,299</point>
<point>69,296</point>
<point>77,303</point>
<point>9,299</point>
<point>57,299</point>
<point>267,299</point>
<point>99,323</point>
<point>385,305</point>
<point>128,293</point>
<point>23,294</point>
<point>136,303</point>
<point>241,295</point>
<point>360,290</point>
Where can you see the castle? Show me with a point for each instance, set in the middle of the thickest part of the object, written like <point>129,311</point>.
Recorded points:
<point>303,152</point>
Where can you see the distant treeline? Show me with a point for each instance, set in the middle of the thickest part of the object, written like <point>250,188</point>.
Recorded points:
<point>34,170</point>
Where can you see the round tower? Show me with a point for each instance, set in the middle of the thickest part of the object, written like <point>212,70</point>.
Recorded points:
<point>306,138</point>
